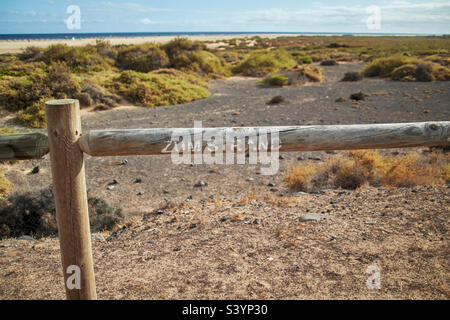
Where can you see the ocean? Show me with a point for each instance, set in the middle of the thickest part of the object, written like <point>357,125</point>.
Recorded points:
<point>46,36</point>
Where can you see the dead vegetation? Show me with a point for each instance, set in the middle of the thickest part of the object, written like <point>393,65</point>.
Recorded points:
<point>33,213</point>
<point>369,168</point>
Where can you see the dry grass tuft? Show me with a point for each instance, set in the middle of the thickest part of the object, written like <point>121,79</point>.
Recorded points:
<point>367,167</point>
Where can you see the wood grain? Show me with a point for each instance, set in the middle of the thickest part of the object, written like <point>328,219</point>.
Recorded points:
<point>69,185</point>
<point>292,138</point>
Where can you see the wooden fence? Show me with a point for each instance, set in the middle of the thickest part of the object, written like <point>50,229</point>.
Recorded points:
<point>67,146</point>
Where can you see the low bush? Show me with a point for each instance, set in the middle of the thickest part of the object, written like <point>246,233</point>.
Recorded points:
<point>34,115</point>
<point>142,58</point>
<point>367,167</point>
<point>296,76</point>
<point>158,89</point>
<point>278,80</point>
<point>5,186</point>
<point>305,59</point>
<point>352,76</point>
<point>276,100</point>
<point>78,59</point>
<point>33,213</point>
<point>403,68</point>
<point>262,62</point>
<point>187,55</point>
<point>329,63</point>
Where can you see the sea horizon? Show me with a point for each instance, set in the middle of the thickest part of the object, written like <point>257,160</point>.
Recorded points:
<point>88,35</point>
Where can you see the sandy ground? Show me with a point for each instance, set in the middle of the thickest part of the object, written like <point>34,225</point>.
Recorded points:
<point>14,46</point>
<point>249,242</point>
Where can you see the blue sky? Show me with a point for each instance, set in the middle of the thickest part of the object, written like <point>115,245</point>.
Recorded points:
<point>48,16</point>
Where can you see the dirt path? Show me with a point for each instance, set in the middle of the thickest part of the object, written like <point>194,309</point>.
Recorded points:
<point>233,259</point>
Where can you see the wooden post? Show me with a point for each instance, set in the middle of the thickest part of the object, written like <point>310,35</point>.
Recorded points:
<point>69,186</point>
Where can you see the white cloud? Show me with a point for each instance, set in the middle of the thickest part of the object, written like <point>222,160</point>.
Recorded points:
<point>146,21</point>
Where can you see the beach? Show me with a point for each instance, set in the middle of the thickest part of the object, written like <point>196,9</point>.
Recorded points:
<point>14,46</point>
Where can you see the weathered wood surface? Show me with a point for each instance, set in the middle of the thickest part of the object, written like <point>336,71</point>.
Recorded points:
<point>69,186</point>
<point>23,146</point>
<point>292,138</point>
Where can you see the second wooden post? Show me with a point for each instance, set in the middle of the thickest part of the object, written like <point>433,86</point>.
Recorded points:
<point>69,187</point>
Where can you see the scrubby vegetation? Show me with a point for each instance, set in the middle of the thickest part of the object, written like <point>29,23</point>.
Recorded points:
<point>295,76</point>
<point>5,186</point>
<point>367,167</point>
<point>278,80</point>
<point>33,213</point>
<point>352,76</point>
<point>403,68</point>
<point>160,88</point>
<point>93,73</point>
<point>260,63</point>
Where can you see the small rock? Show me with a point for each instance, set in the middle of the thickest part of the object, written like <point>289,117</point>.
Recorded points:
<point>301,159</point>
<point>166,192</point>
<point>97,236</point>
<point>256,221</point>
<point>281,157</point>
<point>35,170</point>
<point>189,197</point>
<point>300,193</point>
<point>114,182</point>
<point>250,179</point>
<point>271,184</point>
<point>110,188</point>
<point>358,96</point>
<point>183,179</point>
<point>371,222</point>
<point>138,180</point>
<point>211,197</point>
<point>201,183</point>
<point>140,193</point>
<point>314,217</point>
<point>27,238</point>
<point>315,158</point>
<point>124,162</point>
<point>223,219</point>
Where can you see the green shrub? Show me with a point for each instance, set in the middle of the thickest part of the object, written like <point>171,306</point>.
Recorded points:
<point>142,58</point>
<point>78,59</point>
<point>305,59</point>
<point>383,67</point>
<point>278,80</point>
<point>5,186</point>
<point>186,55</point>
<point>157,89</point>
<point>30,53</point>
<point>403,68</point>
<point>297,76</point>
<point>22,92</point>
<point>34,115</point>
<point>260,63</point>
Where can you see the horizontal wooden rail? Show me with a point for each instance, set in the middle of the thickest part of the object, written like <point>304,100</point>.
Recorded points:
<point>23,146</point>
<point>291,138</point>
